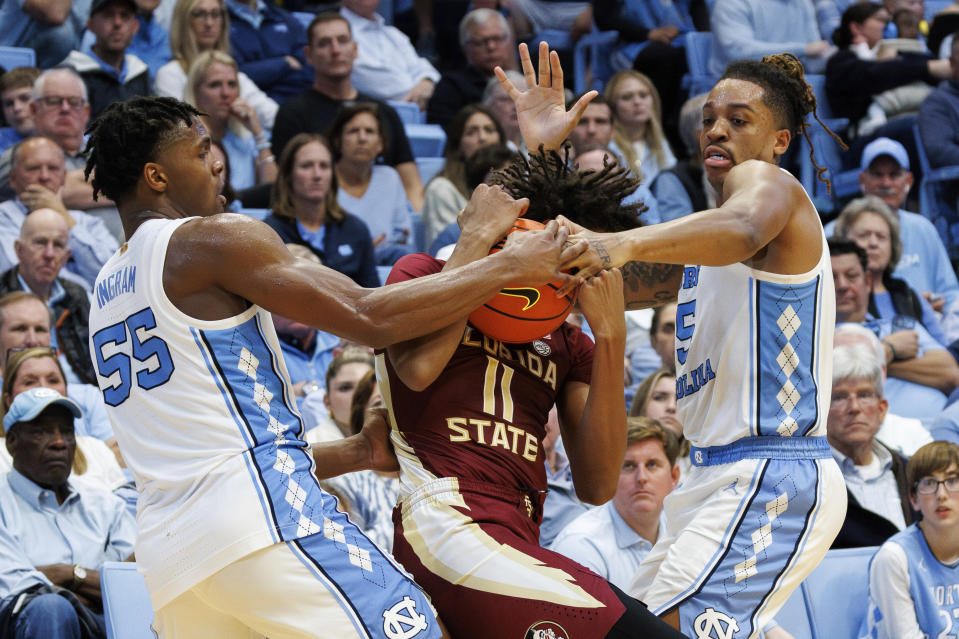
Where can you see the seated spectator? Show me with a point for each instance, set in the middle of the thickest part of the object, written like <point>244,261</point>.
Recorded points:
<point>213,88</point>
<point>877,493</point>
<point>51,29</point>
<point>911,571</point>
<point>656,398</point>
<point>332,420</point>
<point>924,265</point>
<point>751,29</point>
<point>473,127</point>
<point>939,128</point>
<point>198,26</point>
<point>42,250</point>
<point>659,350</point>
<point>387,67</point>
<point>921,372</point>
<point>902,434</point>
<point>25,324</point>
<point>152,40</point>
<point>529,17</point>
<point>367,495</point>
<point>109,71</point>
<point>683,189</point>
<point>907,25</point>
<point>595,127</point>
<point>480,165</point>
<point>637,125</point>
<point>869,223</point>
<point>612,539</point>
<point>502,107</point>
<point>98,458</point>
<point>331,52</point>
<point>16,91</point>
<point>267,43</point>
<point>486,42</point>
<point>306,211</point>
<point>871,87</point>
<point>56,532</point>
<point>38,178</point>
<point>652,38</point>
<point>372,192</point>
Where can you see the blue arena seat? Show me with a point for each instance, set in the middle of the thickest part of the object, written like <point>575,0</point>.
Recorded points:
<point>426,140</point>
<point>591,60</point>
<point>828,154</point>
<point>428,167</point>
<point>409,112</point>
<point>837,593</point>
<point>698,46</point>
<point>931,202</point>
<point>126,604</point>
<point>12,57</point>
<point>304,17</point>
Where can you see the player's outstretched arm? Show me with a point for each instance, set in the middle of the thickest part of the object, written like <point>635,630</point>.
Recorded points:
<point>370,449</point>
<point>592,418</point>
<point>245,258</point>
<point>763,208</point>
<point>487,217</point>
<point>541,108</point>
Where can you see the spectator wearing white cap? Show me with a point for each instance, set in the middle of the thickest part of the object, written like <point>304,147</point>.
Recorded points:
<point>924,265</point>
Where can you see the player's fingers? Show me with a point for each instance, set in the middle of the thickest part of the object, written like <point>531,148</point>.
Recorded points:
<point>569,283</point>
<point>572,250</point>
<point>505,82</point>
<point>527,65</point>
<point>556,71</point>
<point>544,64</point>
<point>581,104</point>
<point>522,204</point>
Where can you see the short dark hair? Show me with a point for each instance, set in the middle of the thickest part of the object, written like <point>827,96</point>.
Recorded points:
<point>657,318</point>
<point>591,198</point>
<point>934,457</point>
<point>324,17</point>
<point>19,78</point>
<point>486,159</point>
<point>129,134</point>
<point>787,94</point>
<point>841,246</point>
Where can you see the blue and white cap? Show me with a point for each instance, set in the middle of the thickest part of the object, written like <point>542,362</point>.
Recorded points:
<point>28,405</point>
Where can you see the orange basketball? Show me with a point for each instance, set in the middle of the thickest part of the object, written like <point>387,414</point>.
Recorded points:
<point>520,314</point>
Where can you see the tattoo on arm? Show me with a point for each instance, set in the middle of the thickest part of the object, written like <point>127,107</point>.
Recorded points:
<point>648,284</point>
<point>601,252</point>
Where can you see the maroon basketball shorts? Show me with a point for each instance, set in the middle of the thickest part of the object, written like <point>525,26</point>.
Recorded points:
<point>474,548</point>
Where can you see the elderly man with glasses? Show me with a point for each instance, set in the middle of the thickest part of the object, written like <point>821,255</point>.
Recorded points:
<point>876,487</point>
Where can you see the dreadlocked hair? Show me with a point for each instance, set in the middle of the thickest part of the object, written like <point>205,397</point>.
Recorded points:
<point>591,198</point>
<point>787,93</point>
<point>126,136</point>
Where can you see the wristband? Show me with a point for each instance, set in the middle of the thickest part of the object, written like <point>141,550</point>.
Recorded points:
<point>892,349</point>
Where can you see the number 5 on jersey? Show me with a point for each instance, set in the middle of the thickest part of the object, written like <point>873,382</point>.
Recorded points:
<point>114,356</point>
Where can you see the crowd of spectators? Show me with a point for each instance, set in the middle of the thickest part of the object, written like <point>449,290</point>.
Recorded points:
<point>304,112</point>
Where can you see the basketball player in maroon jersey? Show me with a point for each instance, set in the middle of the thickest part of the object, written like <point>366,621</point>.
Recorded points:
<point>468,416</point>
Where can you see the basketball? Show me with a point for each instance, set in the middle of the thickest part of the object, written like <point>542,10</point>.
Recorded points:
<point>520,314</point>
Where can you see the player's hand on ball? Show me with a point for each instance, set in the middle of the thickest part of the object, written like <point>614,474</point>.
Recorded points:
<point>490,214</point>
<point>601,301</point>
<point>602,253</point>
<point>541,255</point>
<point>376,432</point>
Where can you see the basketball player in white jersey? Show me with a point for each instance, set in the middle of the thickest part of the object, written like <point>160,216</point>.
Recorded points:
<point>754,329</point>
<point>235,536</point>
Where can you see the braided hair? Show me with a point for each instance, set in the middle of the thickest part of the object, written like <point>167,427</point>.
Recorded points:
<point>787,94</point>
<point>591,198</point>
<point>126,136</point>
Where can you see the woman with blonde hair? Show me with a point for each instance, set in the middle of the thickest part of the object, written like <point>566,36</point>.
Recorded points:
<point>213,88</point>
<point>638,135</point>
<point>198,26</point>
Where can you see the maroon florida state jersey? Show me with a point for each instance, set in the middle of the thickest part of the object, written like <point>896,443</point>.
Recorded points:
<point>484,417</point>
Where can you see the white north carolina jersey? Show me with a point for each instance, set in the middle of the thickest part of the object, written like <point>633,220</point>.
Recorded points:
<point>206,420</point>
<point>750,349</point>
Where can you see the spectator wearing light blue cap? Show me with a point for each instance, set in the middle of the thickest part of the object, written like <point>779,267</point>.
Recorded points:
<point>55,532</point>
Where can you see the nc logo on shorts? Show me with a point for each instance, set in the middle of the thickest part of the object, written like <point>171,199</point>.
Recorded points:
<point>402,621</point>
<point>546,630</point>
<point>699,457</point>
<point>713,624</point>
